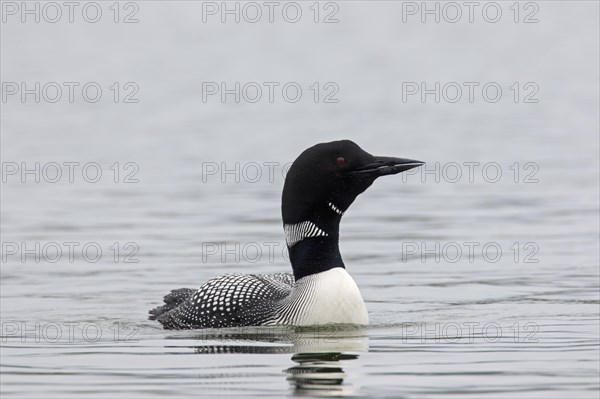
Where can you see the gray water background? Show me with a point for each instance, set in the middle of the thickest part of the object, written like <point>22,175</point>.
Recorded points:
<point>525,328</point>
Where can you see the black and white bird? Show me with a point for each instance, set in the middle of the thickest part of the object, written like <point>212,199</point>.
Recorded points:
<point>319,187</point>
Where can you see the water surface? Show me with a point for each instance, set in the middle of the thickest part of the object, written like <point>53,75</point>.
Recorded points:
<point>443,323</point>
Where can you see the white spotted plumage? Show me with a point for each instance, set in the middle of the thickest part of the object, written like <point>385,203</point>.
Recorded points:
<point>269,299</point>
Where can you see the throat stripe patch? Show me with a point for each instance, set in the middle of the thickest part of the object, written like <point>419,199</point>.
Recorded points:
<point>299,231</point>
<point>335,208</point>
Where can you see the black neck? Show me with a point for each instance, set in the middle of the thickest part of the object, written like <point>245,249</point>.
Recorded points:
<point>318,254</point>
<point>314,255</point>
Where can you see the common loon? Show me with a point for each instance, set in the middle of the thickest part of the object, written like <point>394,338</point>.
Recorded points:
<point>319,187</point>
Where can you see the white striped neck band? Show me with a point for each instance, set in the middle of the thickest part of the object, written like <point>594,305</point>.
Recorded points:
<point>297,232</point>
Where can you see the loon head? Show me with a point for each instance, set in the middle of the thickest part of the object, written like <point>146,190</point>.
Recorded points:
<point>319,187</point>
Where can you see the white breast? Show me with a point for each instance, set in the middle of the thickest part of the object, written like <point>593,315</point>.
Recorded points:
<point>324,298</point>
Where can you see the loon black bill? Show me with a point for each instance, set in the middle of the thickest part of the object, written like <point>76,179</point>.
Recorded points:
<point>387,166</point>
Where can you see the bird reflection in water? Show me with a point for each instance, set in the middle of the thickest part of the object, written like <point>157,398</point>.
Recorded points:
<point>320,374</point>
<point>318,353</point>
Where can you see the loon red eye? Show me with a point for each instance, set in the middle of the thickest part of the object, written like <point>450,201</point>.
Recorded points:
<point>340,161</point>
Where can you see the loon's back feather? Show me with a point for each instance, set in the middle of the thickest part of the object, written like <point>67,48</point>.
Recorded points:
<point>230,300</point>
<point>240,300</point>
<point>171,301</point>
